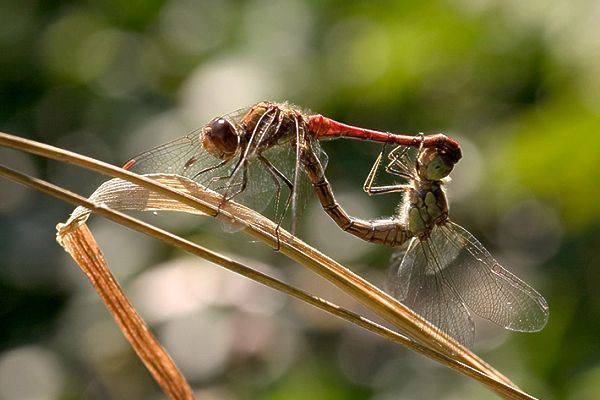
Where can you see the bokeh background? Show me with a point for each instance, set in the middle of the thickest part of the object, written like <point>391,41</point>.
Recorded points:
<point>517,82</point>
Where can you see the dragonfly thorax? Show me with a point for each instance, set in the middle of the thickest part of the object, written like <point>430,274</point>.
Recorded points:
<point>426,207</point>
<point>274,123</point>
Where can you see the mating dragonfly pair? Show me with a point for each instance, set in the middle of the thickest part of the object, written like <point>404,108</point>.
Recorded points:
<point>439,270</point>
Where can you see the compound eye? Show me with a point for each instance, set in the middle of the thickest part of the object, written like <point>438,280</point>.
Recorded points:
<point>219,138</point>
<point>221,130</point>
<point>434,165</point>
<point>439,168</point>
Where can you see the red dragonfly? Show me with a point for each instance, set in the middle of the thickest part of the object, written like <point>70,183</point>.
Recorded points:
<point>440,270</point>
<point>256,151</point>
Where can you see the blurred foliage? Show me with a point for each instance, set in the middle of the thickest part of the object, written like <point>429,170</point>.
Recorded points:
<point>517,82</point>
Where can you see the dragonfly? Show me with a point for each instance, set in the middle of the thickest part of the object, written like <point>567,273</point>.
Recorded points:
<point>253,153</point>
<point>439,269</point>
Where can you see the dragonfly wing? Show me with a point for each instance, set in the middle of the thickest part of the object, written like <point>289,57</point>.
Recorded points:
<point>184,156</point>
<point>187,157</point>
<point>418,281</point>
<point>487,288</point>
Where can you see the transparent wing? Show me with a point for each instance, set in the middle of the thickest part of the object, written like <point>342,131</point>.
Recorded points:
<point>450,273</point>
<point>185,156</point>
<point>486,287</point>
<point>417,279</point>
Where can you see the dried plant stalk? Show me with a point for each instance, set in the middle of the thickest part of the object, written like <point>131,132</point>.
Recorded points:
<point>78,241</point>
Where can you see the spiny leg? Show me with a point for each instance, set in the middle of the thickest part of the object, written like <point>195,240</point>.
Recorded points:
<point>417,163</point>
<point>397,164</point>
<point>242,185</point>
<point>211,168</point>
<point>370,189</point>
<point>256,137</point>
<point>301,143</point>
<point>278,177</point>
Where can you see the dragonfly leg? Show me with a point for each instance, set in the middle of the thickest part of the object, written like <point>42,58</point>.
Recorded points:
<point>241,186</point>
<point>278,177</point>
<point>213,167</point>
<point>397,162</point>
<point>370,189</point>
<point>300,144</point>
<point>256,137</point>
<point>417,162</point>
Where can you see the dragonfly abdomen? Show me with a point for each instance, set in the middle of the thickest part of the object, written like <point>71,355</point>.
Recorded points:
<point>391,232</point>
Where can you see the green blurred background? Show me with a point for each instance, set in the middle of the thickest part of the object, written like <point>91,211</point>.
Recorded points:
<point>517,82</point>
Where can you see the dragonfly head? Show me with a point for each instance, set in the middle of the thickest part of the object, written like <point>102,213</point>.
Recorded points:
<point>219,138</point>
<point>434,165</point>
